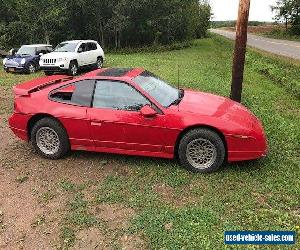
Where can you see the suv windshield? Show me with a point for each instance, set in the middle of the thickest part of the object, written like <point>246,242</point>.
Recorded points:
<point>26,50</point>
<point>161,91</point>
<point>66,47</point>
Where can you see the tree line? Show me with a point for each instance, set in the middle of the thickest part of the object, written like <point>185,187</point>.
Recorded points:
<point>114,23</point>
<point>232,23</point>
<point>289,12</point>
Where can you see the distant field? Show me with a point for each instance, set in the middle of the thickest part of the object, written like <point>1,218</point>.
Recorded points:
<point>276,31</point>
<point>260,28</point>
<point>102,201</point>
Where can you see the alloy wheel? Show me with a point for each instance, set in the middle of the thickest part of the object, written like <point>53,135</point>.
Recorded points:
<point>47,140</point>
<point>201,153</point>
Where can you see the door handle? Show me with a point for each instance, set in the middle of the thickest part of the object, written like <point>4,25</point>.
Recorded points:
<point>96,123</point>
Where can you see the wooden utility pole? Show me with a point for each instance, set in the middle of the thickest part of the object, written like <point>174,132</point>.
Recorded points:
<point>240,51</point>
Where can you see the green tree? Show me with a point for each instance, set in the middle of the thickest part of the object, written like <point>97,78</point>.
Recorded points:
<point>289,12</point>
<point>114,23</point>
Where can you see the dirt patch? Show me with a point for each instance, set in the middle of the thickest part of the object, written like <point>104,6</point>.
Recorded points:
<point>129,242</point>
<point>116,220</point>
<point>261,200</point>
<point>260,28</point>
<point>173,198</point>
<point>91,238</point>
<point>20,212</point>
<point>116,216</point>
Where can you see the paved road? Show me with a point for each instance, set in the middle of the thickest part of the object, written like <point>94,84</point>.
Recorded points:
<point>279,47</point>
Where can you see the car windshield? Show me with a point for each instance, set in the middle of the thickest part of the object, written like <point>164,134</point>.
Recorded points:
<point>65,47</point>
<point>26,50</point>
<point>161,91</point>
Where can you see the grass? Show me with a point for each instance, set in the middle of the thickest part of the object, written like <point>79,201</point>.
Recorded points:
<point>175,209</point>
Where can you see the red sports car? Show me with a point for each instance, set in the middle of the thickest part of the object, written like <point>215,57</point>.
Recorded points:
<point>134,112</point>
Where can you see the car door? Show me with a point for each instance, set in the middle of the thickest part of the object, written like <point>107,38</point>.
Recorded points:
<point>70,104</point>
<point>83,58</point>
<point>116,121</point>
<point>92,55</point>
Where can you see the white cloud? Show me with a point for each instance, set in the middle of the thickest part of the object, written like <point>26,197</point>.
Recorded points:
<point>227,9</point>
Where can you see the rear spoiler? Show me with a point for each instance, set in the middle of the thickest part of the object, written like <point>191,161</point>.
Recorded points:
<point>34,85</point>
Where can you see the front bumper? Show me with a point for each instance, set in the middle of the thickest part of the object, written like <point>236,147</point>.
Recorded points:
<point>53,68</point>
<point>13,68</point>
<point>58,66</point>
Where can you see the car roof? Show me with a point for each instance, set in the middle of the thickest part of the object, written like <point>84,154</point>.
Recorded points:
<point>78,41</point>
<point>119,73</point>
<point>37,45</point>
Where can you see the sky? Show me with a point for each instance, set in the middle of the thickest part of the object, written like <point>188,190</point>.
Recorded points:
<point>228,9</point>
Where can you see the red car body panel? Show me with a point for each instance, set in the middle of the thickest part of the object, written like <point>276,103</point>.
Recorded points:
<point>129,132</point>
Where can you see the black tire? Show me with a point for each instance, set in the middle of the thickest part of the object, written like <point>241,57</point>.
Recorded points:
<point>30,68</point>
<point>71,72</point>
<point>48,73</point>
<point>99,63</point>
<point>212,142</point>
<point>63,140</point>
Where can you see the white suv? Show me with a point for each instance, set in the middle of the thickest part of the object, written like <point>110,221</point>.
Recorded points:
<point>70,56</point>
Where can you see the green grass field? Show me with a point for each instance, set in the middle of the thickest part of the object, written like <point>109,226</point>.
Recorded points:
<point>175,209</point>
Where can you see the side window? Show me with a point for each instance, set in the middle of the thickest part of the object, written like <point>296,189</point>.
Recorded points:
<point>118,95</point>
<point>82,48</point>
<point>92,46</point>
<point>79,93</point>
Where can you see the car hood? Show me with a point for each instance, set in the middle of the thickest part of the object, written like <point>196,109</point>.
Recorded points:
<point>55,55</point>
<point>215,106</point>
<point>17,58</point>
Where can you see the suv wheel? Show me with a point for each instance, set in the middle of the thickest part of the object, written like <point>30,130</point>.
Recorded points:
<point>73,68</point>
<point>201,150</point>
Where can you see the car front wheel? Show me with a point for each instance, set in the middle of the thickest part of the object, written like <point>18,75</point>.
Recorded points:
<point>49,139</point>
<point>31,68</point>
<point>201,150</point>
<point>73,69</point>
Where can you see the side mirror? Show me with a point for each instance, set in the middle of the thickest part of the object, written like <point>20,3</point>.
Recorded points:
<point>79,50</point>
<point>148,111</point>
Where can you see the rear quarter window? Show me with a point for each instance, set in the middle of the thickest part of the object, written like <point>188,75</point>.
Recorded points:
<point>78,93</point>
<point>92,46</point>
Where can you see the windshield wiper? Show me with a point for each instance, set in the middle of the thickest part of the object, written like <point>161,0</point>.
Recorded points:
<point>178,100</point>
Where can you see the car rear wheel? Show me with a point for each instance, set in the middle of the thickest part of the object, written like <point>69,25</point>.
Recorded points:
<point>49,139</point>
<point>73,68</point>
<point>201,150</point>
<point>31,68</point>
